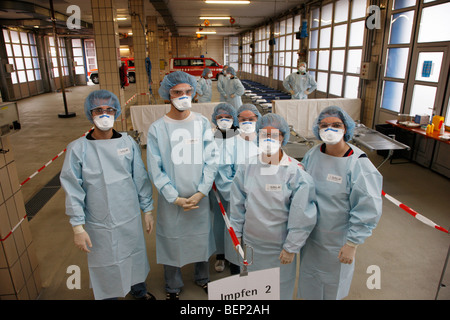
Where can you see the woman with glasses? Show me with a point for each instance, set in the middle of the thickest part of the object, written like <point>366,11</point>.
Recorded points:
<point>107,186</point>
<point>272,204</point>
<point>348,189</point>
<point>182,159</point>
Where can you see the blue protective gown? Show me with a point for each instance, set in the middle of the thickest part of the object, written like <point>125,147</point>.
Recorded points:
<point>106,186</point>
<point>221,86</point>
<point>299,83</point>
<point>182,159</point>
<point>349,205</point>
<point>234,86</point>
<point>204,90</point>
<point>224,178</point>
<point>273,208</point>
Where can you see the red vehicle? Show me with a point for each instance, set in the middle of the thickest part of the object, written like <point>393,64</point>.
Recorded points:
<point>93,73</point>
<point>195,65</point>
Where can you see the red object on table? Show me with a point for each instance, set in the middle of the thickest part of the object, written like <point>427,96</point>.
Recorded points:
<point>435,135</point>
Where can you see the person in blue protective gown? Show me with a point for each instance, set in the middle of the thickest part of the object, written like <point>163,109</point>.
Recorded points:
<point>221,79</point>
<point>182,159</point>
<point>247,145</point>
<point>273,205</point>
<point>204,87</point>
<point>224,117</point>
<point>300,84</point>
<point>106,186</point>
<point>348,189</point>
<point>233,88</point>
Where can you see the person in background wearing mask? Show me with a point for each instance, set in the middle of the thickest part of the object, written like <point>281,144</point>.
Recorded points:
<point>106,186</point>
<point>233,88</point>
<point>300,84</point>
<point>222,78</point>
<point>247,141</point>
<point>273,204</point>
<point>225,118</point>
<point>182,159</point>
<point>204,87</point>
<point>348,189</point>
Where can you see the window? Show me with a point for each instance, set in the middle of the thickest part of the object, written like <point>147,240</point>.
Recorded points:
<point>335,47</point>
<point>210,63</point>
<point>77,49</point>
<point>286,46</point>
<point>261,51</point>
<point>22,53</point>
<point>231,52</point>
<point>62,57</point>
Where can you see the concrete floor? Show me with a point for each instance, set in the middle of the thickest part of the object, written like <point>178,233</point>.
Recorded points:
<point>410,255</point>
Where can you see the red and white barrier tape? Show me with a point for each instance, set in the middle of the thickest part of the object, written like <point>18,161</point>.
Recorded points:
<point>234,238</point>
<point>414,213</point>
<point>13,229</point>
<point>48,163</point>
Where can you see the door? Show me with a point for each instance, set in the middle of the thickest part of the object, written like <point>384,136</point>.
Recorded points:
<point>428,75</point>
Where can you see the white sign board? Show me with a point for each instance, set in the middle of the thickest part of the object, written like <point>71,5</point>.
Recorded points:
<point>257,285</point>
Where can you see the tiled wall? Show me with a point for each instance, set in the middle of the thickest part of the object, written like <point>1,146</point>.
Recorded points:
<point>107,47</point>
<point>136,10</point>
<point>19,270</point>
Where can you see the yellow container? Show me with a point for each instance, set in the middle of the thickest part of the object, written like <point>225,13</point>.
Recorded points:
<point>436,121</point>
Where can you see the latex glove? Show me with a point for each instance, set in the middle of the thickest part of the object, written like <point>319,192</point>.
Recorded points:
<point>149,221</point>
<point>286,257</point>
<point>81,238</point>
<point>232,96</point>
<point>195,199</point>
<point>307,92</point>
<point>183,202</point>
<point>292,92</point>
<point>347,253</point>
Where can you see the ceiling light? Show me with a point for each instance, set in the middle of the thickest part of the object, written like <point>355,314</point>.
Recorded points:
<point>227,2</point>
<point>122,18</point>
<point>205,32</point>
<point>214,18</point>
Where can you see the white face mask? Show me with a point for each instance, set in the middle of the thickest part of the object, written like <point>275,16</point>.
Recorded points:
<point>247,126</point>
<point>224,123</point>
<point>210,75</point>
<point>331,135</point>
<point>104,122</point>
<point>302,69</point>
<point>269,146</point>
<point>229,75</point>
<point>182,103</point>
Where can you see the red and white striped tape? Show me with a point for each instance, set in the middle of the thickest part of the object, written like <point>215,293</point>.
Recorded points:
<point>48,163</point>
<point>414,213</point>
<point>13,229</point>
<point>234,238</point>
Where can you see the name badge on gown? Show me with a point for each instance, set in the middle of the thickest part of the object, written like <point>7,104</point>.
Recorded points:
<point>123,151</point>
<point>334,178</point>
<point>273,187</point>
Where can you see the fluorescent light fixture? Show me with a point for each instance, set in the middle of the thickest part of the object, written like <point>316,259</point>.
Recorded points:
<point>205,32</point>
<point>215,18</point>
<point>122,18</point>
<point>227,2</point>
<point>130,33</point>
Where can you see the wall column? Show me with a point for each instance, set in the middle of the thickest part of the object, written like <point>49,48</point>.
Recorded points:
<point>136,10</point>
<point>107,46</point>
<point>153,54</point>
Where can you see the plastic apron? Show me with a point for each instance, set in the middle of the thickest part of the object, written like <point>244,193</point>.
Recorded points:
<point>106,187</point>
<point>273,210</point>
<point>234,86</point>
<point>299,84</point>
<point>349,202</point>
<point>224,178</point>
<point>182,159</point>
<point>204,89</point>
